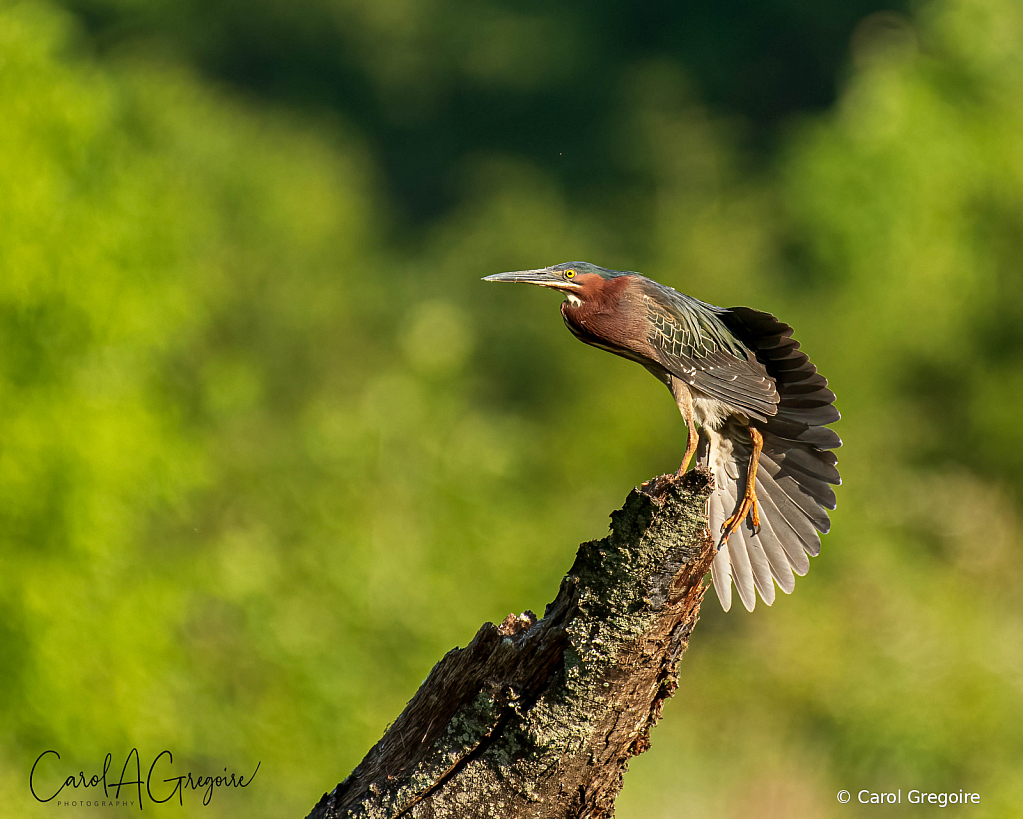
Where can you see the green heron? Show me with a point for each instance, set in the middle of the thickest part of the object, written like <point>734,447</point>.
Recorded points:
<point>760,406</point>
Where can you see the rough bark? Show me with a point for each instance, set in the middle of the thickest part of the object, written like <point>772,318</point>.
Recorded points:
<point>539,718</point>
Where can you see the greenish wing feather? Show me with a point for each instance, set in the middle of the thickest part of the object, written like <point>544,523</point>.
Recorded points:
<point>693,344</point>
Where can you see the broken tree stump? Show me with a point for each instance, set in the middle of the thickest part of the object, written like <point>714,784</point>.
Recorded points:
<point>539,718</point>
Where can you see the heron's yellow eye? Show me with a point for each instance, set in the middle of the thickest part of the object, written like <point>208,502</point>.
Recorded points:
<point>569,274</point>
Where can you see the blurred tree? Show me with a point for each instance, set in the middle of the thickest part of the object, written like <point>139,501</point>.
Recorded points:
<point>427,82</point>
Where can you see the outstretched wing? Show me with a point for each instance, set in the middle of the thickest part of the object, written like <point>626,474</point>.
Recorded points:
<point>691,342</point>
<point>794,478</point>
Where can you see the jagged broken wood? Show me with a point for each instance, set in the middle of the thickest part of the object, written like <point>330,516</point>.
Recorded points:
<point>539,718</point>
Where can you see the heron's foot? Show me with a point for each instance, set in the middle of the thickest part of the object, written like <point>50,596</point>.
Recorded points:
<point>749,506</point>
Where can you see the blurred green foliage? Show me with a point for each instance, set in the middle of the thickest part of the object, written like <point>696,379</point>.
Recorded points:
<point>268,448</point>
<point>429,81</point>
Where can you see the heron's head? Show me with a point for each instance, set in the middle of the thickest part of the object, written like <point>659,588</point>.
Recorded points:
<point>577,280</point>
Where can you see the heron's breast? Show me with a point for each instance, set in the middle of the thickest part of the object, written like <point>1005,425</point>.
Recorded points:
<point>710,412</point>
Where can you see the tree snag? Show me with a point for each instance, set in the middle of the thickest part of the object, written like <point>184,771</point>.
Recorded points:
<point>539,718</point>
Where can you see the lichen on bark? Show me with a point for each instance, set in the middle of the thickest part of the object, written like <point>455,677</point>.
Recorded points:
<point>538,718</point>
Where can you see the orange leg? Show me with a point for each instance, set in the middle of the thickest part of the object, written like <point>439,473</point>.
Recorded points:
<point>685,403</point>
<point>748,505</point>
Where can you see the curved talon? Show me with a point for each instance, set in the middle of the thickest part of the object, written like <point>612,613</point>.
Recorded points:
<point>748,505</point>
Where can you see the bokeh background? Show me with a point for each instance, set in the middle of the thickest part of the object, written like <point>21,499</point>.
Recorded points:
<point>268,448</point>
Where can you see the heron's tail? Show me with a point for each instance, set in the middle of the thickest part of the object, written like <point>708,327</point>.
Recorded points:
<point>797,468</point>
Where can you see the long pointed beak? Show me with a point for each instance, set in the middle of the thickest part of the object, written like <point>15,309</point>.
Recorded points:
<point>543,277</point>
